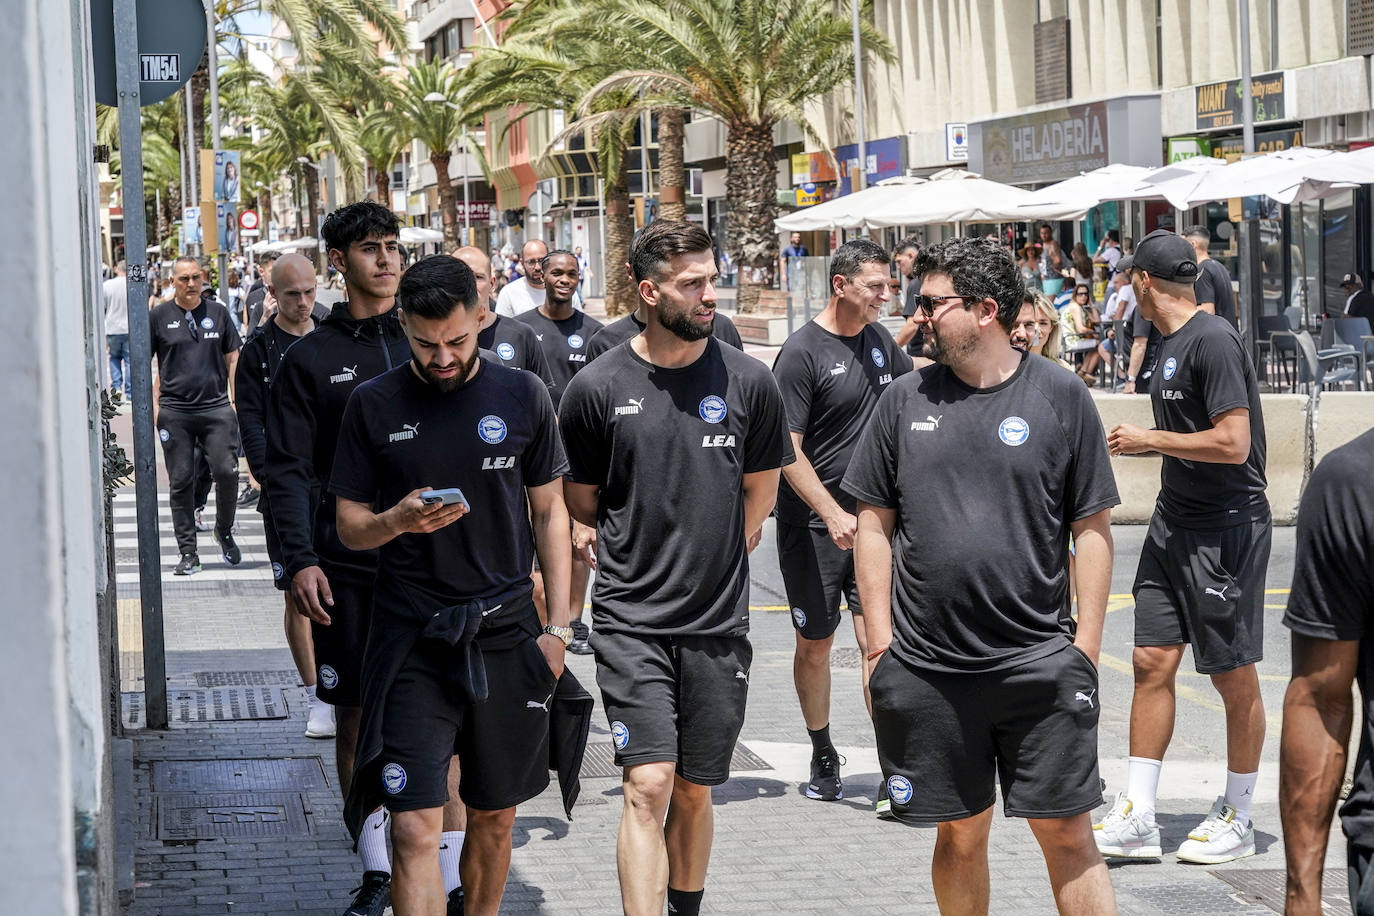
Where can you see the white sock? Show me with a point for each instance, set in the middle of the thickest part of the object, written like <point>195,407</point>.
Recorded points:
<point>1142,785</point>
<point>372,842</point>
<point>310,694</point>
<point>450,852</point>
<point>1240,793</point>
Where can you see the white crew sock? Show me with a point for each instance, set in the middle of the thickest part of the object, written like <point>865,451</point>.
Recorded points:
<point>1142,785</point>
<point>310,692</point>
<point>372,842</point>
<point>450,853</point>
<point>1240,793</point>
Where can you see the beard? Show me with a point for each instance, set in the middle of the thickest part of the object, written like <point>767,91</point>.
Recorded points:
<point>681,325</point>
<point>446,384</point>
<point>947,352</point>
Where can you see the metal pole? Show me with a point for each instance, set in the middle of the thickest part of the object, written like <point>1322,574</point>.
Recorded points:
<point>467,205</point>
<point>140,362</point>
<point>601,227</point>
<point>212,49</point>
<point>644,159</point>
<point>181,160</point>
<point>1250,288</point>
<point>857,182</point>
<point>192,167</point>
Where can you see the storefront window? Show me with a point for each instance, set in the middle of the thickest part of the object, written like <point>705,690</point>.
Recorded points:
<point>1338,247</point>
<point>1306,290</point>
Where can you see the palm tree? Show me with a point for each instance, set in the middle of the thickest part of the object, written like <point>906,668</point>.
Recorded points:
<point>381,138</point>
<point>750,63</point>
<point>438,127</point>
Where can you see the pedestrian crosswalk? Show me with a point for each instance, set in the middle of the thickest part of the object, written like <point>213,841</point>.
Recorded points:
<point>248,533</point>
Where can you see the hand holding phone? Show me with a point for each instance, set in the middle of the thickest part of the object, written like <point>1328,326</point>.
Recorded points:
<point>445,497</point>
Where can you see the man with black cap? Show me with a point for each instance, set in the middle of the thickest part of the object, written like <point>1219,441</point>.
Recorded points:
<point>1201,575</point>
<point>1359,302</point>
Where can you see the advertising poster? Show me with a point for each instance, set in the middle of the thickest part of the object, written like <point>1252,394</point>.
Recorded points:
<point>227,166</point>
<point>190,226</point>
<point>227,219</point>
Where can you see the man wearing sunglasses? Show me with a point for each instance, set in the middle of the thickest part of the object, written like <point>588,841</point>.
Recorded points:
<point>979,675</point>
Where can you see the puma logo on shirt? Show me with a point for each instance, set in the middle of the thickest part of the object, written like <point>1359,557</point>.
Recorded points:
<point>1219,593</point>
<point>347,375</point>
<point>929,424</point>
<point>630,409</point>
<point>530,704</point>
<point>839,369</point>
<point>1082,697</point>
<point>408,431</point>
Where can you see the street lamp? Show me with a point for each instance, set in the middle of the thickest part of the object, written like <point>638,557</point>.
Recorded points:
<point>439,98</point>
<point>304,161</point>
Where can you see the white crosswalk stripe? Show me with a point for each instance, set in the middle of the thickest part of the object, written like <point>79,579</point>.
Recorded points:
<point>248,534</point>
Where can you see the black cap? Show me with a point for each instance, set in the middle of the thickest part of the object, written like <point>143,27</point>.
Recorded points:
<point>1349,280</point>
<point>1164,255</point>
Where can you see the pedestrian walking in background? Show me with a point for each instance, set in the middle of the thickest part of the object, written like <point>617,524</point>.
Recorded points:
<point>116,294</point>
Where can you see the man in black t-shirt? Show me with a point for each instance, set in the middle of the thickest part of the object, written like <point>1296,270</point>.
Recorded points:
<point>512,341</point>
<point>910,335</point>
<point>1201,575</point>
<point>561,330</point>
<point>1330,610</point>
<point>675,443</point>
<point>193,408</point>
<point>979,673</point>
<point>292,284</point>
<point>456,662</point>
<point>831,372</point>
<point>1213,287</point>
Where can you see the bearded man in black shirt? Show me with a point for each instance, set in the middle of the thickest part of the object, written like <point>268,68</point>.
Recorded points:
<point>675,444</point>
<point>456,661</point>
<point>1201,575</point>
<point>979,671</point>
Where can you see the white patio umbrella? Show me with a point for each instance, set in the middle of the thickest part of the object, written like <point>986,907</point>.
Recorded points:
<point>414,235</point>
<point>1281,175</point>
<point>300,244</point>
<point>1174,177</point>
<point>1088,189</point>
<point>1354,167</point>
<point>845,212</point>
<point>259,246</point>
<point>960,196</point>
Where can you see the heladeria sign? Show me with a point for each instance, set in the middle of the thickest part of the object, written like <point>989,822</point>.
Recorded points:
<point>1046,145</point>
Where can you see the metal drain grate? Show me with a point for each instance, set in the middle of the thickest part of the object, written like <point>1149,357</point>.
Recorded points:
<point>1176,898</point>
<point>231,814</point>
<point>285,678</point>
<point>599,761</point>
<point>215,704</point>
<point>280,774</point>
<point>1265,887</point>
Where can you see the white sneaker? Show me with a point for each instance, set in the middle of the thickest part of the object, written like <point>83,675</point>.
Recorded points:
<point>1122,833</point>
<point>321,722</point>
<point>1221,837</point>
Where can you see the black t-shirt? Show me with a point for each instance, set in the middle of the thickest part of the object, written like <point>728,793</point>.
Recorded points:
<point>564,343</point>
<point>625,327</point>
<point>516,346</point>
<point>830,385</point>
<point>1204,371</point>
<point>1333,593</point>
<point>667,447</point>
<point>1137,326</point>
<point>190,348</point>
<point>1214,285</point>
<point>985,483</point>
<point>491,438</point>
<point>1361,306</point>
<point>909,308</point>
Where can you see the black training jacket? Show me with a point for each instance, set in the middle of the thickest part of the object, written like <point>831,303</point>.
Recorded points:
<point>258,363</point>
<point>305,404</point>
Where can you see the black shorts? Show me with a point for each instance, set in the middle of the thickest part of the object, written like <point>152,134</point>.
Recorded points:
<point>1205,588</point>
<point>274,554</point>
<point>339,647</point>
<point>1360,879</point>
<point>502,742</point>
<point>815,573</point>
<point>674,699</point>
<point>941,736</point>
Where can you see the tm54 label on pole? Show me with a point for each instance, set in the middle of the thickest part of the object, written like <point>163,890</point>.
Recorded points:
<point>159,68</point>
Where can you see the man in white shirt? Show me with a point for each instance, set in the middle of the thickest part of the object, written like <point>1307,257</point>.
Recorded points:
<point>116,295</point>
<point>527,292</point>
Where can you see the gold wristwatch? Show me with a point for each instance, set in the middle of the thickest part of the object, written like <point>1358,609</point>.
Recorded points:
<point>563,633</point>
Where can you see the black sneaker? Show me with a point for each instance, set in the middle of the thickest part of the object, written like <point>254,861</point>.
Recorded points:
<point>189,563</point>
<point>825,776</point>
<point>200,520</point>
<point>228,549</point>
<point>373,896</point>
<point>247,496</point>
<point>455,902</point>
<point>579,644</point>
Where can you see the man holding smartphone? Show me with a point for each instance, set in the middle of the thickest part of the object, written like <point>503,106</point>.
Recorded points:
<point>457,661</point>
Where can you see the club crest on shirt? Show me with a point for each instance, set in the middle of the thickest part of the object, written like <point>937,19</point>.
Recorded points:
<point>207,323</point>
<point>620,734</point>
<point>1170,367</point>
<point>799,616</point>
<point>878,359</point>
<point>329,678</point>
<point>575,341</point>
<point>1013,431</point>
<point>164,434</point>
<point>712,409</point>
<point>505,350</point>
<point>899,789</point>
<point>492,429</point>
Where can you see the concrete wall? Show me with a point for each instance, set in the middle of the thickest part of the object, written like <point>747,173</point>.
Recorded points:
<point>1293,444</point>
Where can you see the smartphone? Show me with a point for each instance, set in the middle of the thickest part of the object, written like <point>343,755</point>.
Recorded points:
<point>444,497</point>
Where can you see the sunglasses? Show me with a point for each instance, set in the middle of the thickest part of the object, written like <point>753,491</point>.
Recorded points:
<point>928,304</point>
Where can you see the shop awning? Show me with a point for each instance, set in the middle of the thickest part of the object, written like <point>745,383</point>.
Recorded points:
<point>1089,189</point>
<point>960,196</point>
<point>846,212</point>
<point>1283,175</point>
